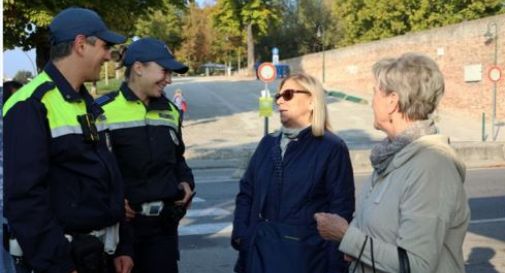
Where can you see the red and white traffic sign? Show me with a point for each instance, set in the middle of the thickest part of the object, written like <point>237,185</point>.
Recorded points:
<point>267,72</point>
<point>494,73</point>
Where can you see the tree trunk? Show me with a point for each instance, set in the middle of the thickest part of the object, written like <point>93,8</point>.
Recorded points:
<point>239,64</point>
<point>250,50</point>
<point>42,48</point>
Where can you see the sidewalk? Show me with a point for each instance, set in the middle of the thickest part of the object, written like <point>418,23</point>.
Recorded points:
<point>236,136</point>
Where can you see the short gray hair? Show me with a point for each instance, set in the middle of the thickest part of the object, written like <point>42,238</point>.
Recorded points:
<point>416,79</point>
<point>64,49</point>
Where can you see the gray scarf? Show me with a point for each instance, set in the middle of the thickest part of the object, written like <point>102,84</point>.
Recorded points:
<point>384,152</point>
<point>288,134</point>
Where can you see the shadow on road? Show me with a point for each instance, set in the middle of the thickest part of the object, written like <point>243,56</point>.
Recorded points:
<point>357,139</point>
<point>485,207</point>
<point>479,260</point>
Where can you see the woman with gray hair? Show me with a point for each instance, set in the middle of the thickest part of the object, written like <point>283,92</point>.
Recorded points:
<point>412,215</point>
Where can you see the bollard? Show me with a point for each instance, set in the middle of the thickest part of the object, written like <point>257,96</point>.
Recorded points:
<point>483,126</point>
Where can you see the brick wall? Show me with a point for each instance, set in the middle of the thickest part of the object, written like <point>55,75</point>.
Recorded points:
<point>453,47</point>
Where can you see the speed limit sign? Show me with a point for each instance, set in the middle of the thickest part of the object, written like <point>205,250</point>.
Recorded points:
<point>494,73</point>
<point>267,72</point>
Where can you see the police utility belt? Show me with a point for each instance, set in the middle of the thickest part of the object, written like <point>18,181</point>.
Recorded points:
<point>169,213</point>
<point>109,236</point>
<point>151,208</point>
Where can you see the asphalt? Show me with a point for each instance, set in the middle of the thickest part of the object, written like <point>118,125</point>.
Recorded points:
<point>218,150</point>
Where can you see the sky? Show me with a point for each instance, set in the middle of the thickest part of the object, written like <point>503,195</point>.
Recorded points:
<point>15,60</point>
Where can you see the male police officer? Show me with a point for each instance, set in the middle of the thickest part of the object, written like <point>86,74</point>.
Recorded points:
<point>63,190</point>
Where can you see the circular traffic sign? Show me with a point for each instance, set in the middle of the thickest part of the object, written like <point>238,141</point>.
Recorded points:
<point>267,72</point>
<point>494,73</point>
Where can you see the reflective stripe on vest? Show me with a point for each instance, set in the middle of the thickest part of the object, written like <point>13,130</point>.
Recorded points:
<point>62,115</point>
<point>122,113</point>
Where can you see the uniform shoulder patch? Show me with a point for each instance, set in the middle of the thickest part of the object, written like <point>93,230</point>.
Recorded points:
<point>103,100</point>
<point>42,89</point>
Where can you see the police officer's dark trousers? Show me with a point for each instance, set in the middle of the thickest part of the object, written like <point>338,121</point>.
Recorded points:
<point>156,245</point>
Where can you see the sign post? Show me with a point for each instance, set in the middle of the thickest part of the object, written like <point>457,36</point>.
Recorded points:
<point>494,75</point>
<point>266,73</point>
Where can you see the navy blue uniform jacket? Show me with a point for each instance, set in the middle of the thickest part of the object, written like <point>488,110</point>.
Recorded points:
<point>57,185</point>
<point>315,175</point>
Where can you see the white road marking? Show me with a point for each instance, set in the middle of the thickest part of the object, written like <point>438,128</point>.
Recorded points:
<point>207,212</point>
<point>198,200</point>
<point>216,180</point>
<point>485,221</point>
<point>204,229</point>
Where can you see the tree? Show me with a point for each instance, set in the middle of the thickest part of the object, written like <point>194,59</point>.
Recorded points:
<point>367,20</point>
<point>227,24</point>
<point>195,48</point>
<point>162,23</point>
<point>297,33</point>
<point>23,76</point>
<point>257,15</point>
<point>26,21</point>
<point>253,18</point>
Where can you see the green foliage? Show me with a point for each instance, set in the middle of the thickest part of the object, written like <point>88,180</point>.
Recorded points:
<point>26,21</point>
<point>227,19</point>
<point>220,33</point>
<point>367,20</point>
<point>228,27</point>
<point>231,19</point>
<point>23,19</point>
<point>196,33</point>
<point>297,33</point>
<point>162,23</point>
<point>261,13</point>
<point>102,88</point>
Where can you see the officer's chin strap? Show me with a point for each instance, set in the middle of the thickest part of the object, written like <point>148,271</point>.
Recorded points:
<point>111,239</point>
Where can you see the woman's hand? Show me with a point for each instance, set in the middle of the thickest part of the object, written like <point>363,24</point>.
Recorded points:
<point>331,226</point>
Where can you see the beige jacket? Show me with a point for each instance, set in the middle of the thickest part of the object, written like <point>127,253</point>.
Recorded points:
<point>419,204</point>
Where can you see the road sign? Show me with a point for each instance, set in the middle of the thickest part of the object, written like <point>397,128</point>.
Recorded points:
<point>494,73</point>
<point>267,72</point>
<point>265,106</point>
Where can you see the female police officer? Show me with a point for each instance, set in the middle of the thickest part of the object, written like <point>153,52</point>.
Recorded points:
<point>145,137</point>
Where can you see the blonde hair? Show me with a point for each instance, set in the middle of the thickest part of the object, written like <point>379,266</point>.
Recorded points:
<point>416,79</point>
<point>320,119</point>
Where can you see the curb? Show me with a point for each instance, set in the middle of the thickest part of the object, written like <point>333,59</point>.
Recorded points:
<point>473,154</point>
<point>343,96</point>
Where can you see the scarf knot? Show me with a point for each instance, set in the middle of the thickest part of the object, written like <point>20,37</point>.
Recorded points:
<point>384,151</point>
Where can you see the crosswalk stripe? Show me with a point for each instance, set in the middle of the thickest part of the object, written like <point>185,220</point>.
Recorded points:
<point>198,200</point>
<point>484,221</point>
<point>216,180</point>
<point>218,229</point>
<point>204,229</point>
<point>207,212</point>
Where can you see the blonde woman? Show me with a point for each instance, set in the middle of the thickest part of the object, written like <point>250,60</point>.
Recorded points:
<point>293,174</point>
